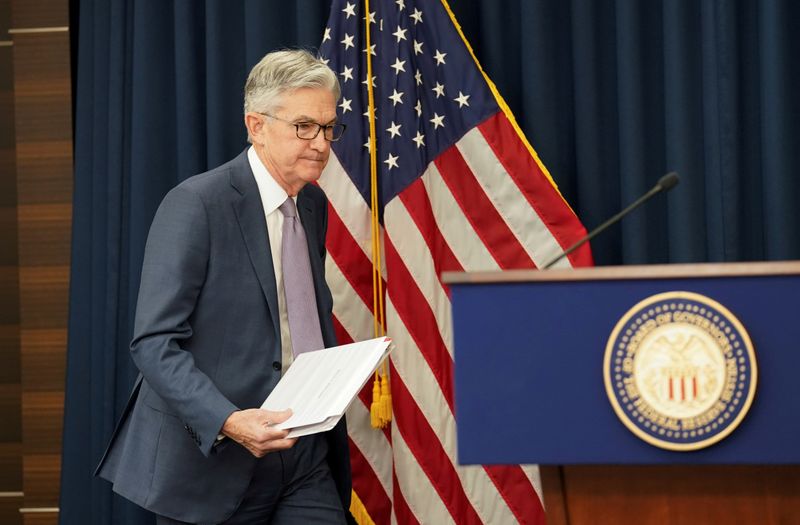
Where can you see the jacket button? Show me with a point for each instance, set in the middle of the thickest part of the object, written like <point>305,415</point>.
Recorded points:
<point>276,366</point>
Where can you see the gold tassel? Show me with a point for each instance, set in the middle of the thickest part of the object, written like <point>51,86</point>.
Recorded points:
<point>358,510</point>
<point>386,400</point>
<point>375,407</point>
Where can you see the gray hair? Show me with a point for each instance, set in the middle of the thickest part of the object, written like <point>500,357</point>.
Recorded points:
<point>282,71</point>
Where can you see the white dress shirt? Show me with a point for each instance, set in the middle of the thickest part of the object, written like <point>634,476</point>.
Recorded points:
<point>272,196</point>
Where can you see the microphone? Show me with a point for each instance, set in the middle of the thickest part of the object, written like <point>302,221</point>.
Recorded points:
<point>665,183</point>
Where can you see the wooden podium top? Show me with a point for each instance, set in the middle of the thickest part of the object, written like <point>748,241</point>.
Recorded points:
<point>606,273</point>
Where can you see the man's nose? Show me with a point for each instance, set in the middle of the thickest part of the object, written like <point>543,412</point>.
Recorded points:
<point>319,143</point>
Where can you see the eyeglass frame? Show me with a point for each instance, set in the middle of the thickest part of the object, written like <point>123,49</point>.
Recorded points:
<point>320,127</point>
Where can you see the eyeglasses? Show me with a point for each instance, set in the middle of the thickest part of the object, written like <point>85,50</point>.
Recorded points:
<point>310,130</point>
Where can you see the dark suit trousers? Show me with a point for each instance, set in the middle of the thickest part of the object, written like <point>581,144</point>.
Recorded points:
<point>289,487</point>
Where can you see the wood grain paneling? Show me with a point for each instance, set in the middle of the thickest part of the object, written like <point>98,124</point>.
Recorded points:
<point>40,518</point>
<point>10,374</point>
<point>47,176</point>
<point>41,351</point>
<point>9,353</point>
<point>43,133</point>
<point>40,476</point>
<point>43,292</point>
<point>698,495</point>
<point>40,13</point>
<point>44,233</point>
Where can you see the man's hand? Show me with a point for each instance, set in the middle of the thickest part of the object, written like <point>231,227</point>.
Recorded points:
<point>252,428</point>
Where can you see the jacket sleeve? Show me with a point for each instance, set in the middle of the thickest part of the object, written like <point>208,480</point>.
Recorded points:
<point>174,270</point>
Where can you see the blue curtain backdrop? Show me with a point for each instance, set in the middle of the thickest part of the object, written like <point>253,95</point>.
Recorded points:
<point>611,93</point>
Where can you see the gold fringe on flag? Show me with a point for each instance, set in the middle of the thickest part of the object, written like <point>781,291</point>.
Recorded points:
<point>358,510</point>
<point>381,407</point>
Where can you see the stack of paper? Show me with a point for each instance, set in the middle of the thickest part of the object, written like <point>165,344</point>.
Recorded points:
<point>320,385</point>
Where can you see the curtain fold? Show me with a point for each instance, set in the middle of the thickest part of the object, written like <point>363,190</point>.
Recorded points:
<point>611,93</point>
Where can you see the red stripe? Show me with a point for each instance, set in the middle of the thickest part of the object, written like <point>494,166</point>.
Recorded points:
<point>535,186</point>
<point>342,335</point>
<point>419,320</point>
<point>369,488</point>
<point>480,211</point>
<point>518,493</point>
<point>418,204</point>
<point>402,512</point>
<point>351,260</point>
<point>431,457</point>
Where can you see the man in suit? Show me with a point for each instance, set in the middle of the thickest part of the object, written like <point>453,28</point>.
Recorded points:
<point>232,288</point>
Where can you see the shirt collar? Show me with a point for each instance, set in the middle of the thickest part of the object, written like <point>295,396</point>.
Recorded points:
<point>272,195</point>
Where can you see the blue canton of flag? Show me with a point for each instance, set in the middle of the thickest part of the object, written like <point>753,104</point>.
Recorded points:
<point>427,89</point>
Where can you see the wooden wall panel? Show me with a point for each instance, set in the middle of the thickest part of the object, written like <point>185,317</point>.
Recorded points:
<point>43,156</point>
<point>40,13</point>
<point>10,374</point>
<point>653,495</point>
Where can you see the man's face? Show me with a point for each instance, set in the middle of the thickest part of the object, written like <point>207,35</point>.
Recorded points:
<point>292,161</point>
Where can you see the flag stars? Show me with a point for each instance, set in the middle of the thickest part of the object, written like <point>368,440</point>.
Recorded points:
<point>418,108</point>
<point>345,105</point>
<point>348,41</point>
<point>396,98</point>
<point>417,47</point>
<point>462,99</point>
<point>437,121</point>
<point>438,89</point>
<point>371,50</point>
<point>366,113</point>
<point>398,66</point>
<point>417,16</point>
<point>349,10</point>
<point>401,4</point>
<point>365,81</point>
<point>439,56</point>
<point>368,146</point>
<point>347,73</point>
<point>400,34</point>
<point>419,139</point>
<point>371,17</point>
<point>394,130</point>
<point>327,35</point>
<point>391,161</point>
<point>418,77</point>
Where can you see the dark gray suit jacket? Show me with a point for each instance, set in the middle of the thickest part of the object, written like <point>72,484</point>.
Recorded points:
<point>206,339</point>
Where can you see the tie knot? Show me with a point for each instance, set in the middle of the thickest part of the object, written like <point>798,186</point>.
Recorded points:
<point>288,208</point>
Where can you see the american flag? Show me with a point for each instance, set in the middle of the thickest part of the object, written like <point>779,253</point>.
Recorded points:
<point>459,188</point>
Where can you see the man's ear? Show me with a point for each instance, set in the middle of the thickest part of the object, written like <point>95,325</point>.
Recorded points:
<point>255,126</point>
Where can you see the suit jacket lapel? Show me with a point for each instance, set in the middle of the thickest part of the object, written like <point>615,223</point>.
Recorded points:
<point>309,220</point>
<point>250,215</point>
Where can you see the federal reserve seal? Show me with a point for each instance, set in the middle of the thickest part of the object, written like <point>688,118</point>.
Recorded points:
<point>680,371</point>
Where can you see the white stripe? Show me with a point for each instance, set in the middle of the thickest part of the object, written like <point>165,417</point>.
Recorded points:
<point>372,443</point>
<point>534,476</point>
<point>424,389</point>
<point>454,226</point>
<point>348,203</point>
<point>421,497</point>
<point>413,250</point>
<point>500,188</point>
<point>350,206</point>
<point>348,307</point>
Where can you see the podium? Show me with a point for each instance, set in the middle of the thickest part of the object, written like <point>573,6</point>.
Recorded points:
<point>530,387</point>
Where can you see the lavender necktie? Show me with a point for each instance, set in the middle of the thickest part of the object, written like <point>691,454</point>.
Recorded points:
<point>298,284</point>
